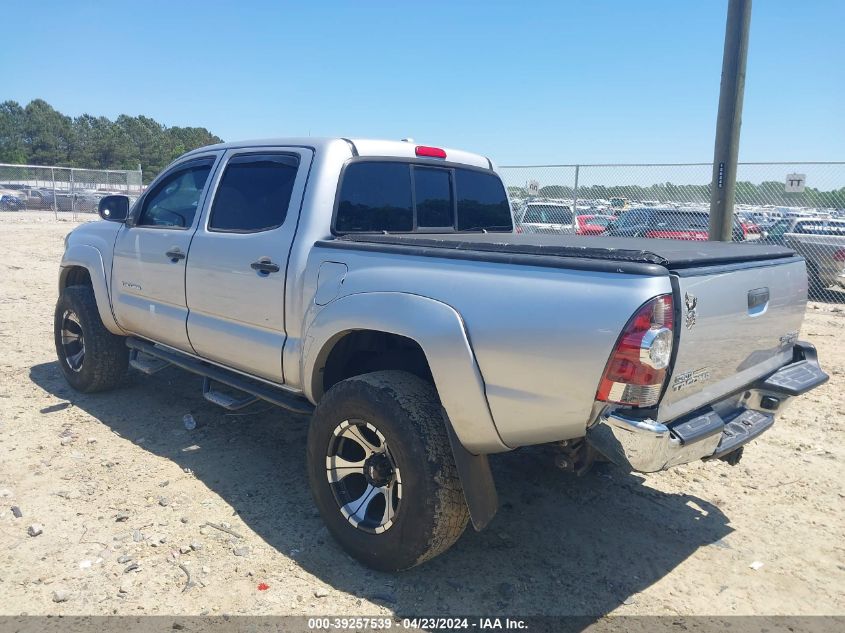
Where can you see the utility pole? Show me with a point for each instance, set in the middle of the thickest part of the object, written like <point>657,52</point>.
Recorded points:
<point>729,120</point>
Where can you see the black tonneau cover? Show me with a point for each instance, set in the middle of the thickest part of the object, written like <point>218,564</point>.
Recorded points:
<point>671,254</point>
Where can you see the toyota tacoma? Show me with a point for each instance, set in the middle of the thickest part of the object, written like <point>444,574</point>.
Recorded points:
<point>379,289</point>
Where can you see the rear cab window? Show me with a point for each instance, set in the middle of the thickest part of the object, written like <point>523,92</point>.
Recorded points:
<point>392,196</point>
<point>434,203</point>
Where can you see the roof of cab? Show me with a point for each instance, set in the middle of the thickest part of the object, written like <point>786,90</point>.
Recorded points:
<point>363,147</point>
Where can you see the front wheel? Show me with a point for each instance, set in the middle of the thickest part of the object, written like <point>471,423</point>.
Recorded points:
<point>90,357</point>
<point>382,472</point>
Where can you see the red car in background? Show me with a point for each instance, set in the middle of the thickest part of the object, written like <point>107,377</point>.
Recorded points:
<point>752,231</point>
<point>669,224</point>
<point>592,224</point>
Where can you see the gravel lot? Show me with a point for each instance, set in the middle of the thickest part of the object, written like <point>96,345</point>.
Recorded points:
<point>123,492</point>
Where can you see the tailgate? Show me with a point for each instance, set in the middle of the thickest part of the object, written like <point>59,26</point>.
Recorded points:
<point>735,324</point>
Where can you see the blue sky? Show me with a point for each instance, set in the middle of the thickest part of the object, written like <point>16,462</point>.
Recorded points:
<point>523,82</point>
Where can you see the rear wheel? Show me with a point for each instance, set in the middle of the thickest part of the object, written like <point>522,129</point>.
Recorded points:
<point>90,357</point>
<point>382,472</point>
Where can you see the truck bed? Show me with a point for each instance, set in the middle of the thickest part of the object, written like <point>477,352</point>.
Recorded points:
<point>738,306</point>
<point>624,254</point>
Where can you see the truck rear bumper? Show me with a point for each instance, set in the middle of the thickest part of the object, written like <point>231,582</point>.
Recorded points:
<point>643,445</point>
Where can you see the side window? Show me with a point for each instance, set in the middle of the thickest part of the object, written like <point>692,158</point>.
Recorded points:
<point>174,200</point>
<point>254,193</point>
<point>433,189</point>
<point>482,201</point>
<point>375,197</point>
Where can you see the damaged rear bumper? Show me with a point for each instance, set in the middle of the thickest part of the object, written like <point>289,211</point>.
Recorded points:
<point>643,445</point>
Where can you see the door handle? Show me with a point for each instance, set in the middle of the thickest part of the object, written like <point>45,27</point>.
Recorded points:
<point>265,266</point>
<point>175,255</point>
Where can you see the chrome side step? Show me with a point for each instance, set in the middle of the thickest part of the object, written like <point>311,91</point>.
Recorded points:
<point>146,363</point>
<point>225,400</point>
<point>256,389</point>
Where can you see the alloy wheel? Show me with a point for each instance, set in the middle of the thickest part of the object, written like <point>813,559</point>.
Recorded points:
<point>73,342</point>
<point>363,476</point>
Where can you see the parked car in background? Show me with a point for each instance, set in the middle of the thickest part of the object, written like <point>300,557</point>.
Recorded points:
<point>752,229</point>
<point>619,204</point>
<point>84,201</point>
<point>37,198</point>
<point>11,200</point>
<point>820,241</point>
<point>546,217</point>
<point>593,224</point>
<point>668,223</point>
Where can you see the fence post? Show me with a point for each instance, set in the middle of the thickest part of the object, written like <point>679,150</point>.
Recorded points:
<point>575,192</point>
<point>55,202</point>
<point>72,197</point>
<point>729,120</point>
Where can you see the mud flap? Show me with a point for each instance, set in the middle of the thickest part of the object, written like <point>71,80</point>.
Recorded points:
<point>476,479</point>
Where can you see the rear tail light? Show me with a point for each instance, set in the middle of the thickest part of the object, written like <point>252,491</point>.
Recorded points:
<point>636,370</point>
<point>839,256</point>
<point>430,152</point>
<point>519,229</point>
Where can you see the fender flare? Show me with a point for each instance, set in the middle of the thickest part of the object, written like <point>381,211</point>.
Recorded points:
<point>439,331</point>
<point>89,258</point>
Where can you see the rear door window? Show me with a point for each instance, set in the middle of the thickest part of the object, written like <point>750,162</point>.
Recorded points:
<point>398,196</point>
<point>254,193</point>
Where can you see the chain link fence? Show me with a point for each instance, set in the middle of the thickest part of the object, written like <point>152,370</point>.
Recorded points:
<point>65,189</point>
<point>798,205</point>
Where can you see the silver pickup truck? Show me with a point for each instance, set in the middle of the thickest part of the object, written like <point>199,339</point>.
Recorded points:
<point>379,287</point>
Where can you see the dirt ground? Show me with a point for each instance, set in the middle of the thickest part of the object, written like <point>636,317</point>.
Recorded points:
<point>115,476</point>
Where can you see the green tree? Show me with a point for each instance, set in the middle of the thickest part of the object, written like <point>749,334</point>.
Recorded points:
<point>12,146</point>
<point>555,191</point>
<point>40,135</point>
<point>47,134</point>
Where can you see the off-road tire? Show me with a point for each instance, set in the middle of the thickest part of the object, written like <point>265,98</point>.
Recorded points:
<point>106,356</point>
<point>432,513</point>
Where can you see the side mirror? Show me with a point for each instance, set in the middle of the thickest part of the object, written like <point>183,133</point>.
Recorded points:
<point>114,208</point>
